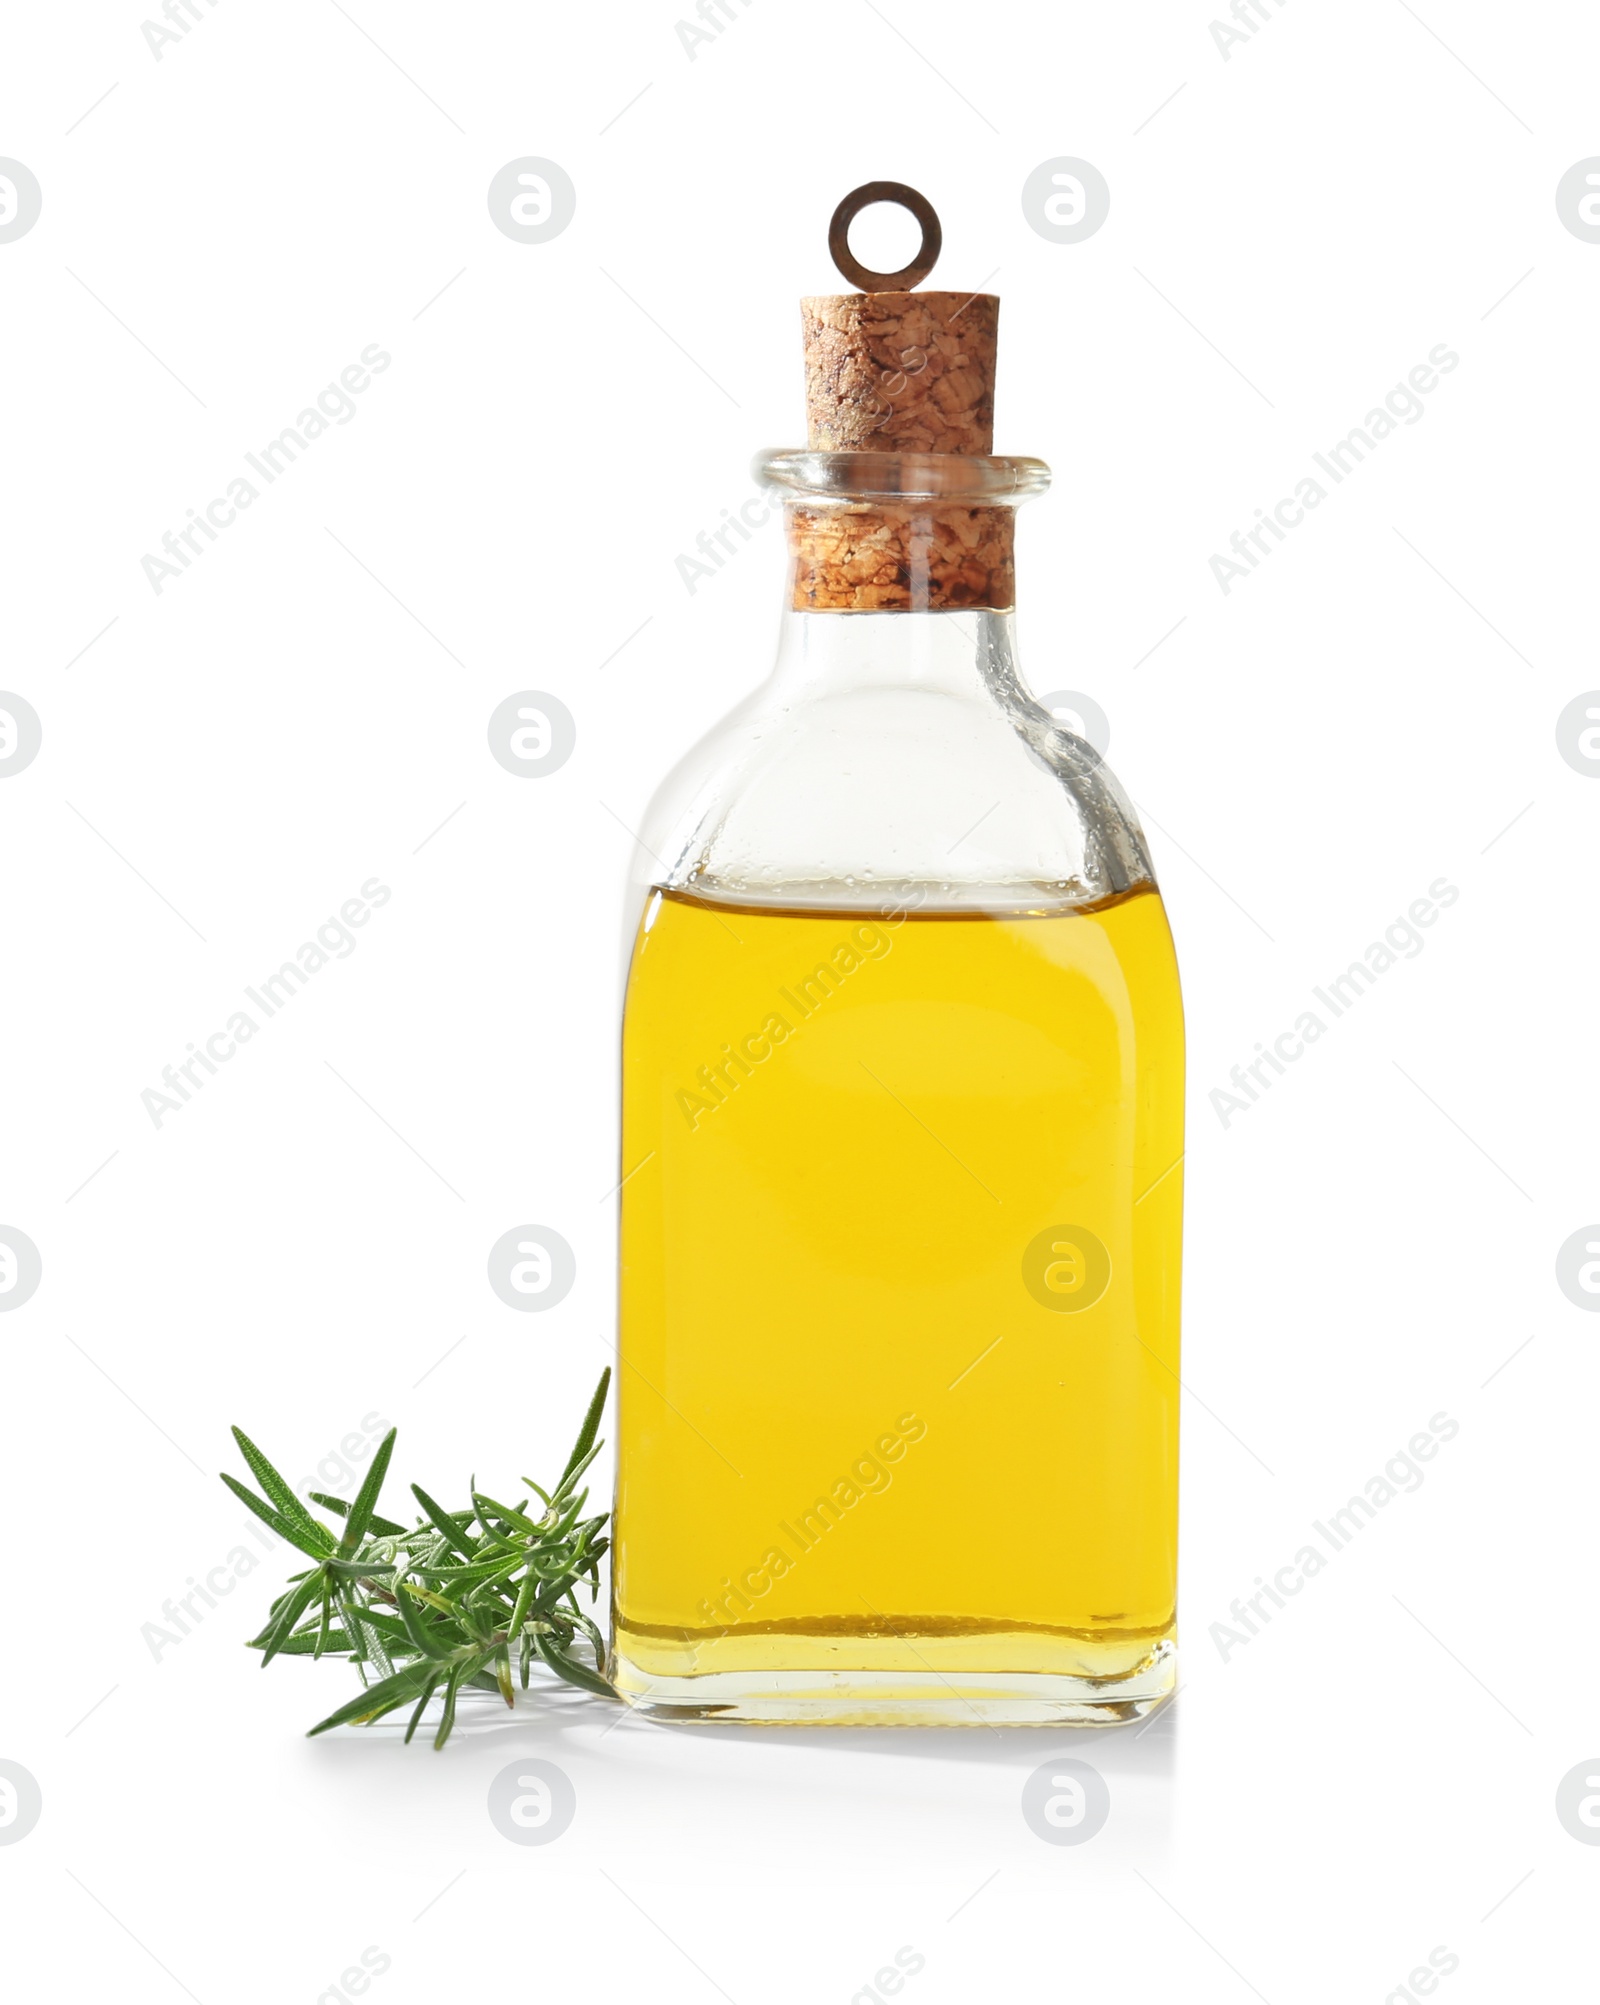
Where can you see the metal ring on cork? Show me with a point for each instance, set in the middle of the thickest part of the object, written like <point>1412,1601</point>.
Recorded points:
<point>927,251</point>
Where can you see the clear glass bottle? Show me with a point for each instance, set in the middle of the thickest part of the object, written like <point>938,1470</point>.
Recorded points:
<point>902,1157</point>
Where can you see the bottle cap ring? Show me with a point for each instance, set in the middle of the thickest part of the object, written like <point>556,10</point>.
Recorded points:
<point>927,251</point>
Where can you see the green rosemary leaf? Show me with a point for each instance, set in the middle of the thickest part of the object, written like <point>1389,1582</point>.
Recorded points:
<point>570,1669</point>
<point>447,1718</point>
<point>564,1487</point>
<point>287,1503</point>
<point>444,1523</point>
<point>274,1638</point>
<point>550,1565</point>
<point>524,1601</point>
<point>371,1637</point>
<point>357,1569</point>
<point>393,1632</point>
<point>597,1642</point>
<point>303,1642</point>
<point>377,1700</point>
<point>367,1496</point>
<point>479,1570</point>
<point>589,1429</point>
<point>422,1638</point>
<point>326,1621</point>
<point>500,1568</point>
<point>433,1600</point>
<point>491,1538</point>
<point>283,1526</point>
<point>385,1526</point>
<point>506,1514</point>
<point>422,1706</point>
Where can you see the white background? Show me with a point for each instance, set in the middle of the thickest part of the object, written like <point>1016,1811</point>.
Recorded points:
<point>226,762</point>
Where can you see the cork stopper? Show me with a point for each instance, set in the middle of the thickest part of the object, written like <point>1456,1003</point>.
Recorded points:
<point>891,370</point>
<point>903,373</point>
<point>890,558</point>
<point>900,371</point>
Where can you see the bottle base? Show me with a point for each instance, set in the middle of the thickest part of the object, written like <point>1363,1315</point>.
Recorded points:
<point>899,1698</point>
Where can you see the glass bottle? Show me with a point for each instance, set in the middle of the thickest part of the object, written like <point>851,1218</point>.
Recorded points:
<point>902,1135</point>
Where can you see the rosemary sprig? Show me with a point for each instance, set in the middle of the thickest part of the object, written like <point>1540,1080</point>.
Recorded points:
<point>447,1604</point>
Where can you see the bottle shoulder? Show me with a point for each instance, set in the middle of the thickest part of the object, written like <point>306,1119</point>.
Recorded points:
<point>939,775</point>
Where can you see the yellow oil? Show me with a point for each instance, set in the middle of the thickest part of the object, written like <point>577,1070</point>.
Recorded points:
<point>884,1408</point>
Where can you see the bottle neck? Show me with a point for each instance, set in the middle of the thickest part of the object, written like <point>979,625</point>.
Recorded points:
<point>967,653</point>
<point>900,557</point>
<point>900,532</point>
